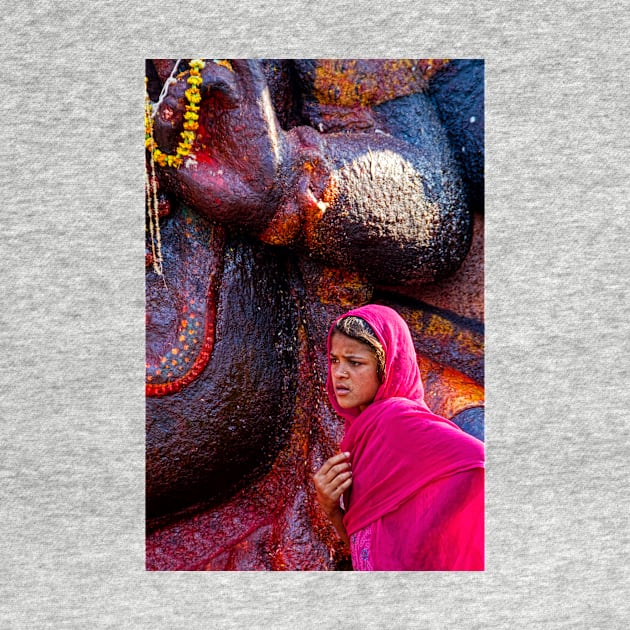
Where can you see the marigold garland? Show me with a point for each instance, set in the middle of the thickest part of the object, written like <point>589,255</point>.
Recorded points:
<point>188,135</point>
<point>191,121</point>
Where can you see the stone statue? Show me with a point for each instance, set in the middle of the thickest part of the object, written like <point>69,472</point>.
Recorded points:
<point>306,187</point>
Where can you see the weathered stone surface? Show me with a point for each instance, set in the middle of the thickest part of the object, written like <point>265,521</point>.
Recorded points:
<point>395,204</point>
<point>210,435</point>
<point>458,92</point>
<point>464,291</point>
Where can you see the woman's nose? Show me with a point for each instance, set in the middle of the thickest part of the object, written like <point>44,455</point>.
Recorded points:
<point>340,371</point>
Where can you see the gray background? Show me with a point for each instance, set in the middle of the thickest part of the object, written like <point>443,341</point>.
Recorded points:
<point>71,464</point>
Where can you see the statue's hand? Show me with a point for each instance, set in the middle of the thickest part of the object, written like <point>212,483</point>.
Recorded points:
<point>232,169</point>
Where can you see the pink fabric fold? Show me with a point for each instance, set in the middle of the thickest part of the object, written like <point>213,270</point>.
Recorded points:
<point>417,477</point>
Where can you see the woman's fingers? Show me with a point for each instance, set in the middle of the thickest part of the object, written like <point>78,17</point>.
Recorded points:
<point>330,485</point>
<point>337,470</point>
<point>327,486</point>
<point>332,480</point>
<point>328,494</point>
<point>334,460</point>
<point>334,466</point>
<point>341,488</point>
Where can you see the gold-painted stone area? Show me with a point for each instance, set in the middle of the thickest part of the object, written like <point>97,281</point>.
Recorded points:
<point>371,81</point>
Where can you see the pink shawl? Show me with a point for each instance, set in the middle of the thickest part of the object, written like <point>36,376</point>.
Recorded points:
<point>417,477</point>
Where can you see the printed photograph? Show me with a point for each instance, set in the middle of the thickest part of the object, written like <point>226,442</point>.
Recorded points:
<point>314,314</point>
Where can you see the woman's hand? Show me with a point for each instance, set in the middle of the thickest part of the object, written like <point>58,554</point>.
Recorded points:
<point>331,481</point>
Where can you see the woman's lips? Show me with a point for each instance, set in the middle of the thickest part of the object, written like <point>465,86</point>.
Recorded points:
<point>341,390</point>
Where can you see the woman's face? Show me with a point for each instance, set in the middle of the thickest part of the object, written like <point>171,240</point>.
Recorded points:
<point>353,369</point>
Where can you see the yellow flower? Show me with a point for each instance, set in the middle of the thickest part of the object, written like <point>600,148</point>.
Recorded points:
<point>191,118</point>
<point>193,97</point>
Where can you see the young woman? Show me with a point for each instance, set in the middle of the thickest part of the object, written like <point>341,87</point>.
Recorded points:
<point>407,490</point>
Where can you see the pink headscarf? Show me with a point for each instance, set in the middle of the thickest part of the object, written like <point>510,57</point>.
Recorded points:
<point>400,451</point>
